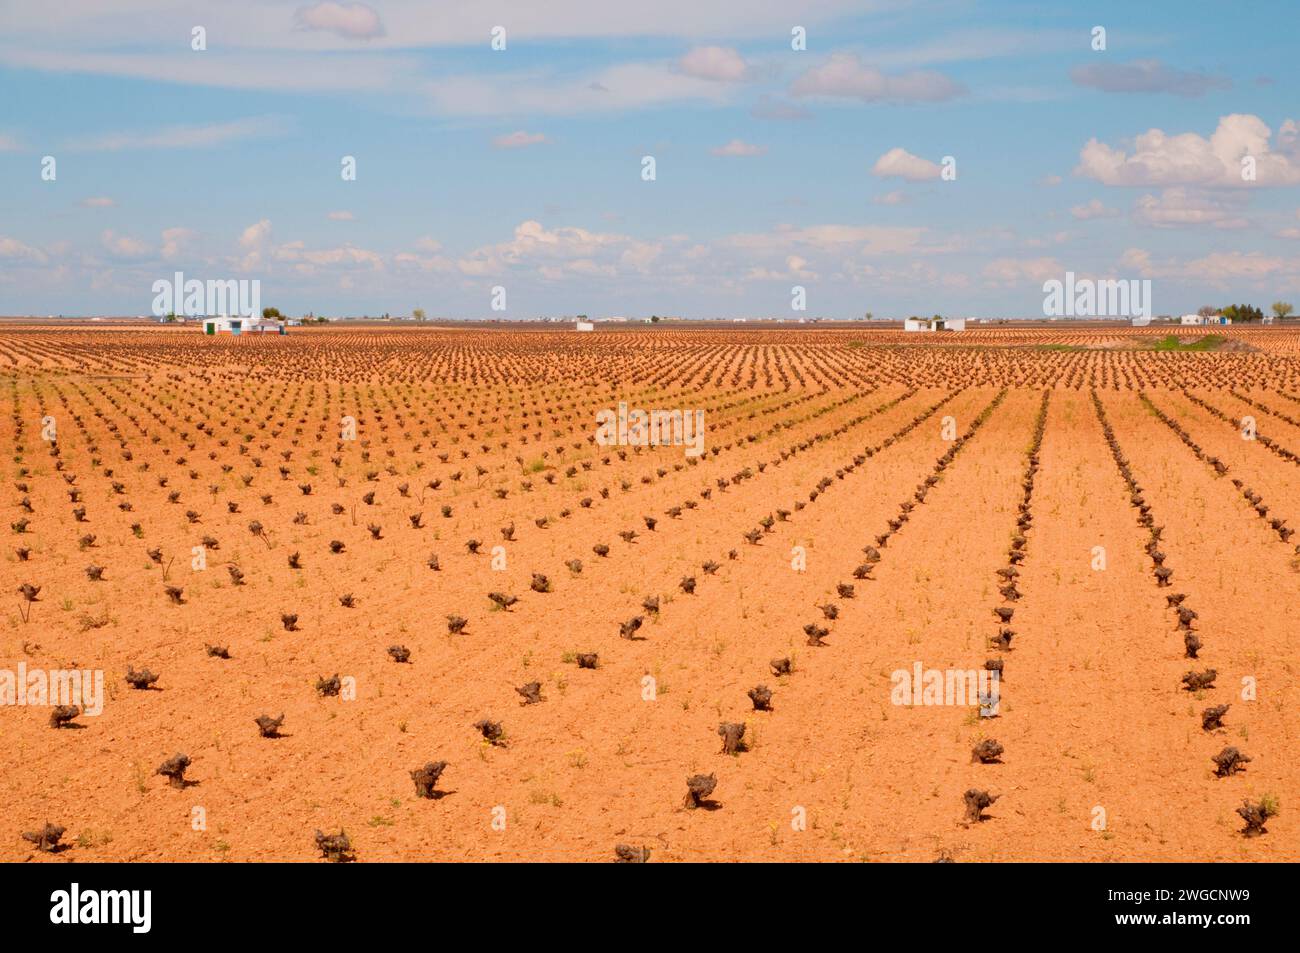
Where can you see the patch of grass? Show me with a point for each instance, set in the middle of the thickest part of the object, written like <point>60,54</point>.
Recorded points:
<point>1170,342</point>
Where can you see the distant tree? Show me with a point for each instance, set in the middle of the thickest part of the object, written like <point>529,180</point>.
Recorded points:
<point>419,314</point>
<point>270,314</point>
<point>1282,308</point>
<point>654,319</point>
<point>1206,310</point>
<point>868,316</point>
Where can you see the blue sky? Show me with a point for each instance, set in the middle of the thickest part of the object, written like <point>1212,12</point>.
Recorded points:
<point>521,168</point>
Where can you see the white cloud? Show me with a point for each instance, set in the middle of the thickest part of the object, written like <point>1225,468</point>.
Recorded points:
<point>519,140</point>
<point>340,216</point>
<point>255,235</point>
<point>413,23</point>
<point>1221,269</point>
<point>621,87</point>
<point>308,260</point>
<point>183,137</point>
<point>98,201</point>
<point>351,20</point>
<point>559,252</point>
<point>837,239</point>
<point>845,76</point>
<point>176,242</point>
<point>1094,209</point>
<point>14,250</point>
<point>896,197</point>
<point>1178,207</point>
<point>898,163</point>
<point>720,64</point>
<point>1189,159</point>
<point>123,246</point>
<point>738,147</point>
<point>254,241</point>
<point>1015,271</point>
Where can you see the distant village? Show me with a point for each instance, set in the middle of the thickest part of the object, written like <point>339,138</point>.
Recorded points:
<point>273,321</point>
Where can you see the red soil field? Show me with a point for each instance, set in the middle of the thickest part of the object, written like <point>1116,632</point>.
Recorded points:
<point>866,502</point>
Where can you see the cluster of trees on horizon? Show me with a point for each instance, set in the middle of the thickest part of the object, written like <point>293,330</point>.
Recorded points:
<point>1246,312</point>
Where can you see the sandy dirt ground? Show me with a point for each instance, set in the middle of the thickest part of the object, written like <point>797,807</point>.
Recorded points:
<point>285,499</point>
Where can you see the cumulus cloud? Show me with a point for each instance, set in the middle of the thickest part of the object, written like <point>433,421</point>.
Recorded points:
<point>176,242</point>
<point>1095,208</point>
<point>721,64</point>
<point>1146,76</point>
<point>1014,271</point>
<point>255,235</point>
<point>1159,159</point>
<point>845,76</point>
<point>561,252</point>
<point>1182,207</point>
<point>308,260</point>
<point>253,242</point>
<point>738,147</point>
<point>353,21</point>
<point>898,163</point>
<point>1222,269</point>
<point>519,140</point>
<point>123,246</point>
<point>14,250</point>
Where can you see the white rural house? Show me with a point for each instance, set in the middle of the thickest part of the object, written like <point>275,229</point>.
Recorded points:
<point>240,324</point>
<point>586,326</point>
<point>934,324</point>
<point>1195,319</point>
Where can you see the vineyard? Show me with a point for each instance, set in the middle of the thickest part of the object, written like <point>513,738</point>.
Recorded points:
<point>381,594</point>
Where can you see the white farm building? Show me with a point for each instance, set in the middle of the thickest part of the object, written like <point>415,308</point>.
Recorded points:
<point>240,324</point>
<point>1198,319</point>
<point>934,324</point>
